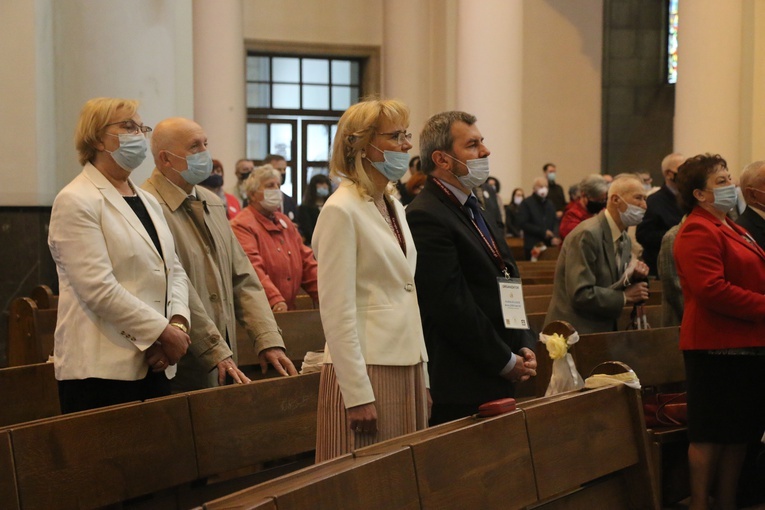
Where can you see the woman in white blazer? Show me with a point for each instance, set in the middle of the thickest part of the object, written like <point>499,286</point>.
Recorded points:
<point>373,382</point>
<point>123,295</point>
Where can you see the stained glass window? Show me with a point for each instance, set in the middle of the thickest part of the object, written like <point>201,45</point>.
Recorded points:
<point>672,43</point>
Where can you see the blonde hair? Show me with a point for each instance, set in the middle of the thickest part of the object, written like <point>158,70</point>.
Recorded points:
<point>94,116</point>
<point>356,128</point>
<point>258,176</point>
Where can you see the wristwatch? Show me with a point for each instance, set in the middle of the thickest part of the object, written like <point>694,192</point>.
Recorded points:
<point>180,326</point>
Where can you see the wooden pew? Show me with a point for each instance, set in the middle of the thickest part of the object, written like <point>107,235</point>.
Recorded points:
<point>655,356</point>
<point>44,297</point>
<point>27,393</point>
<point>104,456</point>
<point>538,290</point>
<point>304,302</point>
<point>495,463</point>
<point>301,330</point>
<point>30,332</point>
<point>243,425</point>
<point>590,450</point>
<point>9,496</point>
<point>653,313</point>
<point>567,451</point>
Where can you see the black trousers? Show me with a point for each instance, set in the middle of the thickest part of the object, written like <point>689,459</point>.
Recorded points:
<point>83,394</point>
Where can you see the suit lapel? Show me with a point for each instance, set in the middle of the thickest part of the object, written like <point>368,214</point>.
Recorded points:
<point>113,196</point>
<point>608,246</point>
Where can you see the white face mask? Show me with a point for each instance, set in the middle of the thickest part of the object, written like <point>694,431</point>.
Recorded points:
<point>272,199</point>
<point>478,171</point>
<point>542,192</point>
<point>632,216</point>
<point>517,200</point>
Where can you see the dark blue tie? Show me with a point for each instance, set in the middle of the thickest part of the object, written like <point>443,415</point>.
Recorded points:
<point>472,204</point>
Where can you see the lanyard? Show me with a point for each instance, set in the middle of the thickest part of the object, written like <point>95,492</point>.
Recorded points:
<point>489,244</point>
<point>395,225</point>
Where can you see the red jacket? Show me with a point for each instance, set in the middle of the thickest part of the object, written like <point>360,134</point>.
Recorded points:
<point>575,214</point>
<point>277,254</point>
<point>722,274</point>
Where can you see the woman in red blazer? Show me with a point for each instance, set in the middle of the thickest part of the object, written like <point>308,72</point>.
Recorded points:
<point>722,274</point>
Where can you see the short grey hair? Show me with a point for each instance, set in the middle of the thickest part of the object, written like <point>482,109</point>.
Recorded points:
<point>259,176</point>
<point>752,176</point>
<point>593,186</point>
<point>621,182</point>
<point>437,136</point>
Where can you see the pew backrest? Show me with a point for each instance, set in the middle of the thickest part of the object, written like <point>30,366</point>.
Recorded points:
<point>27,393</point>
<point>100,457</point>
<point>243,425</point>
<point>301,330</point>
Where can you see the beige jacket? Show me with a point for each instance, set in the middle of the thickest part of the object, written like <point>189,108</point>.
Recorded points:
<point>220,273</point>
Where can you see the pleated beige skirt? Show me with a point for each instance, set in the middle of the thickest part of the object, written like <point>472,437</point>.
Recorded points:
<point>400,401</point>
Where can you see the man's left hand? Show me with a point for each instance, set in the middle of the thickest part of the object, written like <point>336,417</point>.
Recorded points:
<point>529,358</point>
<point>278,359</point>
<point>641,270</point>
<point>228,367</point>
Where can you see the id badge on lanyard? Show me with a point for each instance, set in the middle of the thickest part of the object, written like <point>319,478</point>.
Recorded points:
<point>511,298</point>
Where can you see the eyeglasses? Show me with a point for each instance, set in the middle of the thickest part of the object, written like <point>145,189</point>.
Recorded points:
<point>399,136</point>
<point>131,126</point>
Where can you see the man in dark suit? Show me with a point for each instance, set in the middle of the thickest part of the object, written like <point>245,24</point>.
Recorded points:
<point>662,214</point>
<point>537,218</point>
<point>460,255</point>
<point>753,187</point>
<point>595,274</point>
<point>555,192</point>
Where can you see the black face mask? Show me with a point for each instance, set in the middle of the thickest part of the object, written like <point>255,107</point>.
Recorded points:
<point>214,181</point>
<point>284,177</point>
<point>595,207</point>
<point>244,175</point>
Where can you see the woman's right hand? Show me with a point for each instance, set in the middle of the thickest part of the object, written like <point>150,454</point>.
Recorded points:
<point>174,343</point>
<point>363,419</point>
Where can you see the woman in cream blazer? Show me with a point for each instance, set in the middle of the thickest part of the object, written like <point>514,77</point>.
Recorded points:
<point>123,303</point>
<point>373,384</point>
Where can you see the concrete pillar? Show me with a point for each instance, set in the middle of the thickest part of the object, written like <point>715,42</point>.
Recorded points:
<point>489,79</point>
<point>219,79</point>
<point>708,101</point>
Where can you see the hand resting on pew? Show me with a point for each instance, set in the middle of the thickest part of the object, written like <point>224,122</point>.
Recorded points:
<point>276,357</point>
<point>228,367</point>
<point>525,366</point>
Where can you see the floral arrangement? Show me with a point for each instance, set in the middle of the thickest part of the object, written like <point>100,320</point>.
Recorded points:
<point>557,346</point>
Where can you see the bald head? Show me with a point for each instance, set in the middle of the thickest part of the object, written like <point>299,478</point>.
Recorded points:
<point>672,162</point>
<point>540,182</point>
<point>179,136</point>
<point>626,190</point>
<point>172,141</point>
<point>625,183</point>
<point>752,183</point>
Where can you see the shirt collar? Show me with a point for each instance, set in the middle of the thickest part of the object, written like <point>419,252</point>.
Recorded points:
<point>615,232</point>
<point>458,193</point>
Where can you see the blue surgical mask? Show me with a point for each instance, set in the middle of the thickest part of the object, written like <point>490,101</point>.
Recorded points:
<point>725,198</point>
<point>395,165</point>
<point>199,167</point>
<point>632,216</point>
<point>551,176</point>
<point>322,192</point>
<point>478,171</point>
<point>131,152</point>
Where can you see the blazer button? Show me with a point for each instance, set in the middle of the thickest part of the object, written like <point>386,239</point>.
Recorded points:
<point>409,287</point>
<point>213,297</point>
